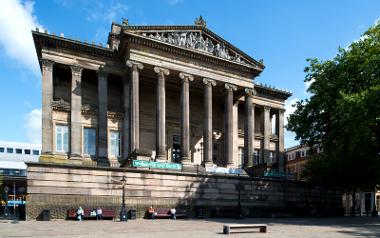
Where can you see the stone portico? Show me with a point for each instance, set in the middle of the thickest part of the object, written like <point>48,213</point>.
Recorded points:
<point>171,93</point>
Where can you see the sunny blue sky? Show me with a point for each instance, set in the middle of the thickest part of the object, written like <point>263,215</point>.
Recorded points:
<point>282,33</point>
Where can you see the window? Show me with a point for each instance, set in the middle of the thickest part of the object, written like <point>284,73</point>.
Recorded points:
<point>36,152</point>
<point>271,157</point>
<point>10,150</point>
<point>18,151</point>
<point>241,156</point>
<point>27,151</point>
<point>62,139</point>
<point>115,143</point>
<point>2,149</point>
<point>89,147</point>
<point>256,156</point>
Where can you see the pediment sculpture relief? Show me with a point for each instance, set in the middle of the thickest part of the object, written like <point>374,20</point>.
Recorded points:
<point>196,41</point>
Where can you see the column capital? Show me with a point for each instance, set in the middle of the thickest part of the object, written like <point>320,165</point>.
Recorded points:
<point>186,76</point>
<point>250,92</point>
<point>267,108</point>
<point>134,65</point>
<point>76,70</point>
<point>47,64</point>
<point>160,70</point>
<point>230,87</point>
<point>208,81</point>
<point>281,111</point>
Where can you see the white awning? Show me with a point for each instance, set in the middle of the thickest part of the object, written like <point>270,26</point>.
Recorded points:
<point>12,165</point>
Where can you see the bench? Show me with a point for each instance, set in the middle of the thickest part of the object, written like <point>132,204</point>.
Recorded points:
<point>165,213</point>
<point>235,228</point>
<point>106,213</point>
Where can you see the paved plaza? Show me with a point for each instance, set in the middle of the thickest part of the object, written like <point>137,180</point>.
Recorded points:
<point>278,228</point>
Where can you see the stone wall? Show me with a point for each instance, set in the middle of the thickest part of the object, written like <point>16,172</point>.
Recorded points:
<point>60,187</point>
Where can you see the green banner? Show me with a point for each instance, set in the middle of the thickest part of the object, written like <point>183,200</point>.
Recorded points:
<point>155,165</point>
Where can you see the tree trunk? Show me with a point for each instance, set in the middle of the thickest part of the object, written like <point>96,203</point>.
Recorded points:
<point>353,203</point>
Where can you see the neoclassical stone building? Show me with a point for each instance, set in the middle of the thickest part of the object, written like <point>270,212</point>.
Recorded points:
<point>174,97</point>
<point>178,94</point>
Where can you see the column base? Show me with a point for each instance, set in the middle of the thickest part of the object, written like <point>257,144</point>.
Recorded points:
<point>160,158</point>
<point>75,157</point>
<point>185,160</point>
<point>209,164</point>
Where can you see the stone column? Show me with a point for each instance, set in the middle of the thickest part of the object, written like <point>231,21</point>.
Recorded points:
<point>267,132</point>
<point>249,127</point>
<point>76,113</point>
<point>126,120</point>
<point>280,152</point>
<point>228,124</point>
<point>102,115</point>
<point>161,113</point>
<point>207,121</point>
<point>47,99</point>
<point>135,107</point>
<point>185,117</point>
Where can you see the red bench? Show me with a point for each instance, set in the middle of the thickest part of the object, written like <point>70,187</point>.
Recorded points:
<point>106,213</point>
<point>165,213</point>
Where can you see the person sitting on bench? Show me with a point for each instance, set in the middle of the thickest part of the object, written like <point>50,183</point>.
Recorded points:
<point>151,212</point>
<point>172,213</point>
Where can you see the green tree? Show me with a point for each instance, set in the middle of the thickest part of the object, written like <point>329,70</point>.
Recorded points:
<point>343,116</point>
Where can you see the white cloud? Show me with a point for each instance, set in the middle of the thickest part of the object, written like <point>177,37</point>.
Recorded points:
<point>32,126</point>
<point>107,12</point>
<point>307,85</point>
<point>289,136</point>
<point>289,109</point>
<point>16,22</point>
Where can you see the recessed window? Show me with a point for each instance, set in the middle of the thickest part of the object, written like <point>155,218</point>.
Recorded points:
<point>89,147</point>
<point>36,152</point>
<point>2,149</point>
<point>18,151</point>
<point>27,151</point>
<point>62,138</point>
<point>115,143</point>
<point>256,156</point>
<point>10,150</point>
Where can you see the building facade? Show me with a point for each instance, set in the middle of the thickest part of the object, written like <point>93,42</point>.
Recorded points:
<point>13,186</point>
<point>171,97</point>
<point>296,159</point>
<point>177,94</point>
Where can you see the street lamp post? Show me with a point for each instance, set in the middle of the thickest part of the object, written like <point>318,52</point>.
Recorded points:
<point>123,211</point>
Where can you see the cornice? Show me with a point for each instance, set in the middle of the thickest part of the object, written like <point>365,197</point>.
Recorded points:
<point>45,40</point>
<point>260,89</point>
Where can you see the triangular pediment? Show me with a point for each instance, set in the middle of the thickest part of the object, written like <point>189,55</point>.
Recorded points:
<point>198,39</point>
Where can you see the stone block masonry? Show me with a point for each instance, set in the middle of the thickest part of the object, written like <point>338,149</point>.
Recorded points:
<point>60,187</point>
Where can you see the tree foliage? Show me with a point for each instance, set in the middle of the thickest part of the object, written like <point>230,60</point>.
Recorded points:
<point>343,115</point>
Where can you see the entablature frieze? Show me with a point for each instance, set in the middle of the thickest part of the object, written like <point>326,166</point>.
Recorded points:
<point>197,70</point>
<point>82,62</point>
